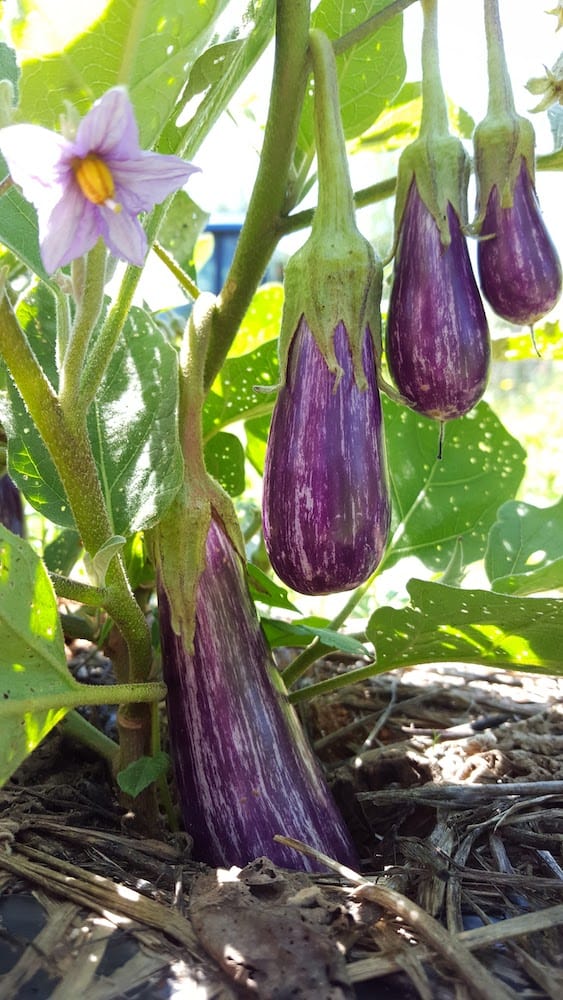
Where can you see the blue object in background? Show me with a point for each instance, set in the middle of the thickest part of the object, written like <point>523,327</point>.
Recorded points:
<point>225,231</point>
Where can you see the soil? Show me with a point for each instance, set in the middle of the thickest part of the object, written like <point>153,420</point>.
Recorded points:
<point>451,780</point>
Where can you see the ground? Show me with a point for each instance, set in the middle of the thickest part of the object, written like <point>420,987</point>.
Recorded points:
<point>451,780</point>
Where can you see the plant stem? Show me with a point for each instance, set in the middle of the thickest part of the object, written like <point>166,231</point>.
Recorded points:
<point>336,683</point>
<point>74,590</point>
<point>501,97</point>
<point>182,278</point>
<point>335,204</point>
<point>85,694</point>
<point>434,120</point>
<point>88,310</point>
<point>259,235</point>
<point>366,196</point>
<point>370,25</point>
<point>78,728</point>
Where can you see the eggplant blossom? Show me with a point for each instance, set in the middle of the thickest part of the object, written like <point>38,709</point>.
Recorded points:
<point>93,184</point>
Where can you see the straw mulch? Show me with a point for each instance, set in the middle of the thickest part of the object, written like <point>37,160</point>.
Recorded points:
<point>452,782</point>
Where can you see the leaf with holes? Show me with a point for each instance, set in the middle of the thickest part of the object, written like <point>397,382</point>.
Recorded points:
<point>132,425</point>
<point>369,73</point>
<point>150,46</point>
<point>32,657</point>
<point>445,625</point>
<point>437,501</point>
<point>525,549</point>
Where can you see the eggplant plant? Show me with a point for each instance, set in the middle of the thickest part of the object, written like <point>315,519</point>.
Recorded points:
<point>11,506</point>
<point>141,446</point>
<point>326,496</point>
<point>519,267</point>
<point>437,337</point>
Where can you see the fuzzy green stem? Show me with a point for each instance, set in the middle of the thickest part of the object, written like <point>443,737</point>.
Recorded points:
<point>74,590</point>
<point>434,120</point>
<point>501,97</point>
<point>182,278</point>
<point>336,683</point>
<point>370,25</point>
<point>77,728</point>
<point>71,452</point>
<point>259,235</point>
<point>85,694</point>
<point>366,196</point>
<point>335,206</point>
<point>88,310</point>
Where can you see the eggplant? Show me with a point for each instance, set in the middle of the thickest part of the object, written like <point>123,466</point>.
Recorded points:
<point>326,508</point>
<point>519,268</point>
<point>437,339</point>
<point>11,506</point>
<point>244,770</point>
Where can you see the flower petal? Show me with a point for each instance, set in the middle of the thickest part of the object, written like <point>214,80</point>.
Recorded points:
<point>109,128</point>
<point>124,235</point>
<point>37,160</point>
<point>69,230</point>
<point>147,180</point>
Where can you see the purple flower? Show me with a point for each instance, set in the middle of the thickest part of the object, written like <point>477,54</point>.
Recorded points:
<point>92,185</point>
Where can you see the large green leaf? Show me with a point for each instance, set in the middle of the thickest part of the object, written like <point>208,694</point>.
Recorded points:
<point>147,44</point>
<point>32,656</point>
<point>132,425</point>
<point>445,624</point>
<point>369,74</point>
<point>525,549</point>
<point>18,227</point>
<point>234,396</point>
<point>437,501</point>
<point>224,459</point>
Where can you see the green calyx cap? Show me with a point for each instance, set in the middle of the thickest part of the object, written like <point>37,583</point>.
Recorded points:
<point>501,142</point>
<point>335,277</point>
<point>440,166</point>
<point>503,139</point>
<point>178,542</point>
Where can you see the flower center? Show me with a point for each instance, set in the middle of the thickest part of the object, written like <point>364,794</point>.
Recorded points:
<point>95,181</point>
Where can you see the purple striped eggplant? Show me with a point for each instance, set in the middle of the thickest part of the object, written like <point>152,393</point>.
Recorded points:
<point>519,269</point>
<point>326,508</point>
<point>437,340</point>
<point>244,770</point>
<point>11,506</point>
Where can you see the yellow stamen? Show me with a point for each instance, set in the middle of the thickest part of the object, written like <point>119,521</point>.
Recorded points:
<point>95,181</point>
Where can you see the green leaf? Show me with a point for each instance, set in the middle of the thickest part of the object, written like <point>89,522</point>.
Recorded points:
<point>279,633</point>
<point>369,74</point>
<point>97,565</point>
<point>261,323</point>
<point>63,552</point>
<point>142,772</point>
<point>132,425</point>
<point>445,625</point>
<point>265,590</point>
<point>32,656</point>
<point>182,225</point>
<point>147,44</point>
<point>212,66</point>
<point>18,228</point>
<point>224,460</point>
<point>256,440</point>
<point>9,69</point>
<point>525,549</point>
<point>233,394</point>
<point>438,501</point>
<point>257,27</point>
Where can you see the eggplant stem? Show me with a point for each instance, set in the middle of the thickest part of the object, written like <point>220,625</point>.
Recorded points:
<point>441,436</point>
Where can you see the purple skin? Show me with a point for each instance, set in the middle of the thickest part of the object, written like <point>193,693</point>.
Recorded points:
<point>11,507</point>
<point>244,770</point>
<point>326,507</point>
<point>438,346</point>
<point>519,269</point>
